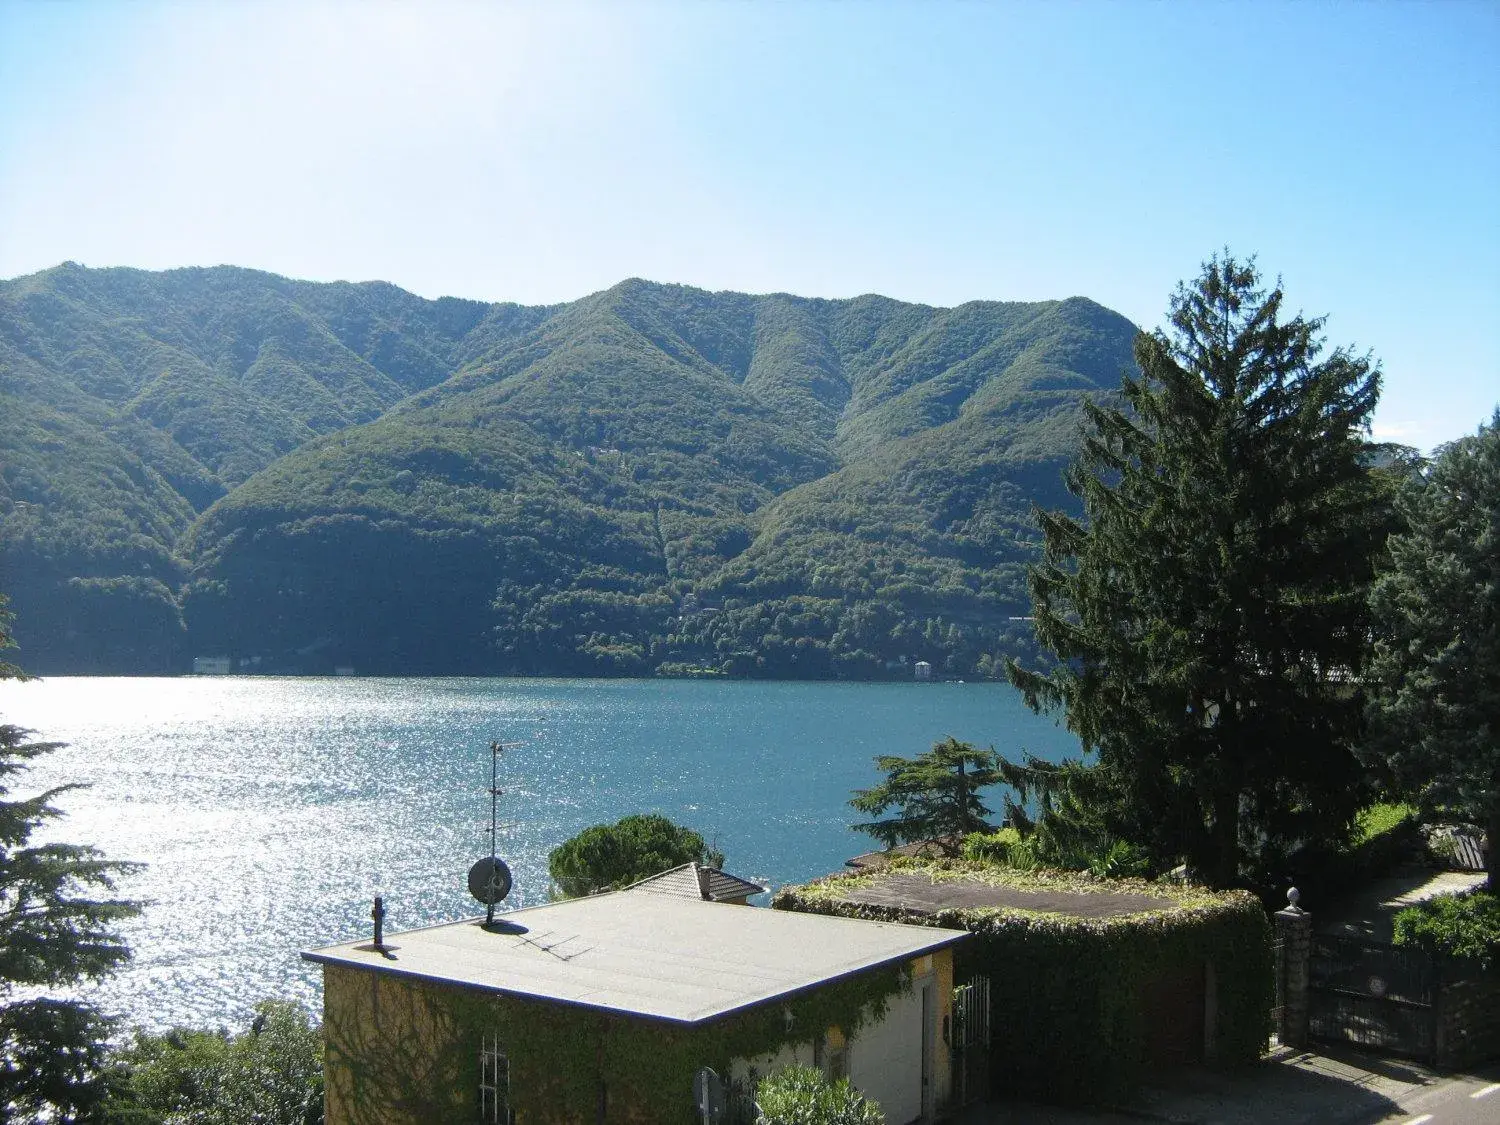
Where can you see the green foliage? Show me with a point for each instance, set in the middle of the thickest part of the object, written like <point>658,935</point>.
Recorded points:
<point>1462,926</point>
<point>1382,835</point>
<point>650,477</point>
<point>1062,809</point>
<point>1382,819</point>
<point>992,847</point>
<point>559,1055</point>
<point>1116,859</point>
<point>1066,993</point>
<point>1121,860</point>
<point>935,795</point>
<point>55,932</point>
<point>1435,708</point>
<point>270,1074</point>
<point>800,1095</point>
<point>1208,612</point>
<point>608,857</point>
<point>8,671</point>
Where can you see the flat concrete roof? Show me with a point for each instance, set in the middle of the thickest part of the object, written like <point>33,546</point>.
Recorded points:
<point>661,956</point>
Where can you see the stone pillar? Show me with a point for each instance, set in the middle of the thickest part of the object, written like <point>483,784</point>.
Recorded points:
<point>1294,928</point>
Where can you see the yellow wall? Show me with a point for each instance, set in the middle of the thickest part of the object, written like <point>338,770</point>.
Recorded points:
<point>942,1069</point>
<point>402,1051</point>
<point>393,1053</point>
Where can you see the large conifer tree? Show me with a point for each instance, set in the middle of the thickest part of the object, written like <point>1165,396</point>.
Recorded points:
<point>935,795</point>
<point>1208,610</point>
<point>55,932</point>
<point>1436,671</point>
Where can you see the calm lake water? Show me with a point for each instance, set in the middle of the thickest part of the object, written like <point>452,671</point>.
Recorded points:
<point>269,812</point>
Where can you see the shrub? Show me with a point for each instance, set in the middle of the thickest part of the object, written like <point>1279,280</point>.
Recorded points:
<point>1004,848</point>
<point>991,847</point>
<point>1121,860</point>
<point>800,1095</point>
<point>1008,848</point>
<point>1462,926</point>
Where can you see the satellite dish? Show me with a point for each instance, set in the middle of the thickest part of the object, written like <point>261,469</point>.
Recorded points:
<point>489,880</point>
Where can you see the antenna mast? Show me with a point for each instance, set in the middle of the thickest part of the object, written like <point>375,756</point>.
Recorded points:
<point>490,879</point>
<point>495,751</point>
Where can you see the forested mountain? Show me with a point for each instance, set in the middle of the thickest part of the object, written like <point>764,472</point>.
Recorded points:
<point>303,475</point>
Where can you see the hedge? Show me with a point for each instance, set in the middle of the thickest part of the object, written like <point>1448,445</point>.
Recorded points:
<point>1067,1019</point>
<point>1463,927</point>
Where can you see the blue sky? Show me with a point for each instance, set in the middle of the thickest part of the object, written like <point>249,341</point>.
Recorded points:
<point>937,152</point>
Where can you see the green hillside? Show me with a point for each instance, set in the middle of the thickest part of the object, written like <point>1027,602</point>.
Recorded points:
<point>223,461</point>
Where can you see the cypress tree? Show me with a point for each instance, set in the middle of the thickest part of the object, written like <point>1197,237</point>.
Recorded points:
<point>1208,610</point>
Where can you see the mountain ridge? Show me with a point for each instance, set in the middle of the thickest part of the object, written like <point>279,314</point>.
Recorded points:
<point>224,460</point>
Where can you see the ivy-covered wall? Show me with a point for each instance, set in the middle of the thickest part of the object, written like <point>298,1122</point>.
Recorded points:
<point>1068,993</point>
<point>401,1051</point>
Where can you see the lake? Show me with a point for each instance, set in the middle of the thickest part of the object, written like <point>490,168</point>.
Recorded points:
<point>269,812</point>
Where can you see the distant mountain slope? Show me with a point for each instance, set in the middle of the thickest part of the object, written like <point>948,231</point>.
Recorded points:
<point>227,461</point>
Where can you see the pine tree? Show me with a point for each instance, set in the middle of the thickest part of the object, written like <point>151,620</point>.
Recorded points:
<point>54,933</point>
<point>1208,611</point>
<point>936,795</point>
<point>1436,670</point>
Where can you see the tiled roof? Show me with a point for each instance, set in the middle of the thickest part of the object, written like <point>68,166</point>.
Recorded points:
<point>694,880</point>
<point>921,849</point>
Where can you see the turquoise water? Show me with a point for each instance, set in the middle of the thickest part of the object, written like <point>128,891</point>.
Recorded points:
<point>269,812</point>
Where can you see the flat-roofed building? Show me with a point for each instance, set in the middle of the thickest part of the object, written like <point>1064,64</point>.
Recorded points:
<point>602,1009</point>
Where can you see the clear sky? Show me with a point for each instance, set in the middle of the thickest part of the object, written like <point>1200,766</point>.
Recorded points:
<point>936,152</point>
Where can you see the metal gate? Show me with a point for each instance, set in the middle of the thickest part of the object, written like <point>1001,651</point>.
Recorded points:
<point>969,1041</point>
<point>1278,975</point>
<point>1373,994</point>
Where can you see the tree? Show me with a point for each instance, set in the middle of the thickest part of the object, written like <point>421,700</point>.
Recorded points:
<point>271,1074</point>
<point>1435,707</point>
<point>8,671</point>
<point>607,857</point>
<point>1208,611</point>
<point>936,795</point>
<point>54,932</point>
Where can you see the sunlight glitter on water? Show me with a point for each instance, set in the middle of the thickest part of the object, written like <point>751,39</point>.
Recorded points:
<point>269,812</point>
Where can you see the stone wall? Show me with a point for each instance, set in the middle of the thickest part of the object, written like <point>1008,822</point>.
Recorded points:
<point>1468,1020</point>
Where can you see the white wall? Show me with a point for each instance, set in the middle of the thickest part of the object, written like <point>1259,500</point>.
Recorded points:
<point>885,1061</point>
<point>799,1053</point>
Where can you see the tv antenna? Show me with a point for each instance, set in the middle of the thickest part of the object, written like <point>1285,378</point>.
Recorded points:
<point>490,878</point>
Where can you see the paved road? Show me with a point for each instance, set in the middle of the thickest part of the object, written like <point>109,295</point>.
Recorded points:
<point>1470,1100</point>
<point>1333,1087</point>
<point>1370,912</point>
